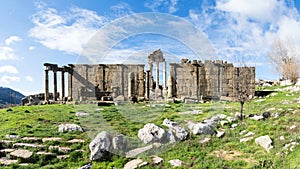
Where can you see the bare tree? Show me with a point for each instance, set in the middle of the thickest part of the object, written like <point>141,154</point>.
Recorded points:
<point>284,57</point>
<point>244,86</point>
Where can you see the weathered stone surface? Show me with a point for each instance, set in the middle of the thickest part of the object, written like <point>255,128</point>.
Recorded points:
<point>134,164</point>
<point>220,134</point>
<point>100,146</point>
<point>12,136</point>
<point>60,149</point>
<point>62,157</point>
<point>204,140</point>
<point>7,150</point>
<point>157,160</point>
<point>31,139</point>
<point>25,154</point>
<point>179,132</point>
<point>213,121</point>
<point>176,163</point>
<point>27,145</point>
<point>119,143</point>
<point>201,128</point>
<point>221,116</point>
<point>51,139</point>
<point>6,161</point>
<point>231,119</point>
<point>82,114</point>
<point>76,141</point>
<point>7,142</point>
<point>249,134</point>
<point>257,117</point>
<point>245,139</point>
<point>151,133</point>
<point>69,127</point>
<point>137,151</point>
<point>265,142</point>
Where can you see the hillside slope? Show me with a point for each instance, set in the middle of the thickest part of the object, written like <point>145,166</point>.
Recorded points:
<point>8,96</point>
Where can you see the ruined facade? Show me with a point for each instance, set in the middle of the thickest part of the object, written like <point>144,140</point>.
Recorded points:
<point>193,79</point>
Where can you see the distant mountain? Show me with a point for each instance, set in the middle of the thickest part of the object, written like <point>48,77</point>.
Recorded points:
<point>10,96</point>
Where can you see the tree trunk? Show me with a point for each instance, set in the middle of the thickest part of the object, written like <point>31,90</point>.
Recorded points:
<point>241,109</point>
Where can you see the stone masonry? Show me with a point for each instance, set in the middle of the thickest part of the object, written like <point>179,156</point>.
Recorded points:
<point>192,79</point>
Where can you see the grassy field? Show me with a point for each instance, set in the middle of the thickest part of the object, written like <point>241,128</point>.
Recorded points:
<point>226,152</point>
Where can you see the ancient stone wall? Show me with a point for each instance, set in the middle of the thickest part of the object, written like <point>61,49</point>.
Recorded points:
<point>94,81</point>
<point>210,80</point>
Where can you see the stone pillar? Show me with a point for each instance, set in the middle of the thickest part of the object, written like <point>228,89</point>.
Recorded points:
<point>55,84</point>
<point>141,87</point>
<point>165,76</point>
<point>170,88</point>
<point>46,86</point>
<point>147,85</point>
<point>129,85</point>
<point>150,75</point>
<point>157,75</point>
<point>70,85</point>
<point>62,85</point>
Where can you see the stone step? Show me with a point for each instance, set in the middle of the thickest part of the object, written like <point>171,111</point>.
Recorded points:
<point>47,139</point>
<point>76,141</point>
<point>21,153</point>
<point>6,143</point>
<point>6,161</point>
<point>31,139</point>
<point>62,157</point>
<point>28,145</point>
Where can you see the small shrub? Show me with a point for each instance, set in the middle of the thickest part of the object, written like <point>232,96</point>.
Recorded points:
<point>8,110</point>
<point>27,111</point>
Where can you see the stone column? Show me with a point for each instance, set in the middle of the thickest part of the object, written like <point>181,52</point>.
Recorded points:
<point>150,75</point>
<point>165,76</point>
<point>170,88</point>
<point>46,86</point>
<point>129,85</point>
<point>157,75</point>
<point>70,85</point>
<point>147,84</point>
<point>62,85</point>
<point>55,84</point>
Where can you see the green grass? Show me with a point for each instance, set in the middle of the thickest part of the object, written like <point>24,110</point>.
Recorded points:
<point>43,121</point>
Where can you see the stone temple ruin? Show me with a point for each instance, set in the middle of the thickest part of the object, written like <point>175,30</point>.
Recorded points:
<point>189,79</point>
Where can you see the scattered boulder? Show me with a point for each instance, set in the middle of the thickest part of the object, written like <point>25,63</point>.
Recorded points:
<point>220,134</point>
<point>119,143</point>
<point>179,132</point>
<point>293,127</point>
<point>221,116</point>
<point>249,134</point>
<point>157,160</point>
<point>281,138</point>
<point>234,125</point>
<point>265,142</point>
<point>134,164</point>
<point>231,119</point>
<point>76,141</point>
<point>69,127</point>
<point>223,122</point>
<point>100,146</point>
<point>176,163</point>
<point>245,139</point>
<point>257,117</point>
<point>201,128</point>
<point>151,133</point>
<point>12,136</point>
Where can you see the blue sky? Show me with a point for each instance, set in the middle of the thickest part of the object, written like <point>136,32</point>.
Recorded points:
<point>33,32</point>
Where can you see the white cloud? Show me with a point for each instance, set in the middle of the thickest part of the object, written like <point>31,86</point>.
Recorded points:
<point>255,9</point>
<point>67,31</point>
<point>29,78</point>
<point>155,4</point>
<point>8,69</point>
<point>12,40</point>
<point>31,47</point>
<point>7,53</point>
<point>9,79</point>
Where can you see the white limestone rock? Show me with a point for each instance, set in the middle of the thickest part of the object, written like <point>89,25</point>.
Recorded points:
<point>179,132</point>
<point>100,146</point>
<point>151,133</point>
<point>176,163</point>
<point>265,142</point>
<point>201,128</point>
<point>69,127</point>
<point>82,114</point>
